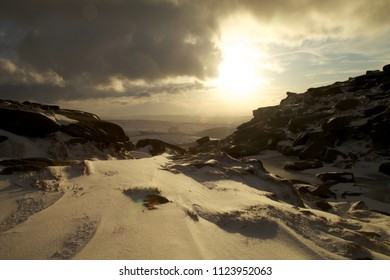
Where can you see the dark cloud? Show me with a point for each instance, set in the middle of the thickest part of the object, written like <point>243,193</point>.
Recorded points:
<point>133,39</point>
<point>86,43</point>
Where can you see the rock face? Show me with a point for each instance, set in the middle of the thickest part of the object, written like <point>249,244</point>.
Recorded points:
<point>36,120</point>
<point>27,121</point>
<point>319,123</point>
<point>58,133</point>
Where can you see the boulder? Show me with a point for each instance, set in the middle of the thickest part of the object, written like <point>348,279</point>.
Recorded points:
<point>315,150</point>
<point>347,104</point>
<point>151,200</point>
<point>258,138</point>
<point>292,98</point>
<point>96,130</point>
<point>339,177</point>
<point>358,205</point>
<point>323,191</point>
<point>264,113</point>
<point>385,168</point>
<point>386,68</point>
<point>28,164</point>
<point>240,150</point>
<point>323,205</point>
<point>380,133</point>
<point>287,150</point>
<point>298,124</point>
<point>25,122</point>
<point>338,124</point>
<point>326,91</point>
<point>203,140</point>
<point>332,155</point>
<point>301,139</point>
<point>158,147</point>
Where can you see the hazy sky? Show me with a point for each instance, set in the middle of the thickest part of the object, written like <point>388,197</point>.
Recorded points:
<point>120,58</point>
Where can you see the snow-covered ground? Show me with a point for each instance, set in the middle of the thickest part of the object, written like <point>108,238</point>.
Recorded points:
<point>99,209</point>
<point>207,206</point>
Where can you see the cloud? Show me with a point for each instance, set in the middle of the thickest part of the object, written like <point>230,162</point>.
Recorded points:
<point>70,50</point>
<point>136,39</point>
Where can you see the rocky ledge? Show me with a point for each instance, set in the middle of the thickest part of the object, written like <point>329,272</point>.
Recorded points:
<point>336,124</point>
<point>32,130</point>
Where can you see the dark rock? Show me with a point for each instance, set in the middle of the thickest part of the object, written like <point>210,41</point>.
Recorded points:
<point>386,68</point>
<point>27,122</point>
<point>292,98</point>
<point>303,165</point>
<point>43,162</point>
<point>288,150</point>
<point>301,139</point>
<point>89,126</point>
<point>358,205</point>
<point>371,79</point>
<point>325,91</point>
<point>323,205</point>
<point>96,130</point>
<point>323,191</point>
<point>159,147</point>
<point>315,150</point>
<point>375,110</point>
<point>340,177</point>
<point>240,150</point>
<point>50,107</point>
<point>203,140</point>
<point>77,115</point>
<point>128,146</point>
<point>385,168</point>
<point>338,124</point>
<point>265,113</point>
<point>28,164</point>
<point>385,84</point>
<point>258,138</point>
<point>3,138</point>
<point>332,155</point>
<point>347,104</point>
<point>298,124</point>
<point>211,146</point>
<point>151,200</point>
<point>22,168</point>
<point>372,72</point>
<point>257,164</point>
<point>380,133</point>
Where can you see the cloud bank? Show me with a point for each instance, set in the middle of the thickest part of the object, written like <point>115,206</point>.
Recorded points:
<point>54,50</point>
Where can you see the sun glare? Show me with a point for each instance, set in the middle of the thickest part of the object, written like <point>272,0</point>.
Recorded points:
<point>238,72</point>
<point>240,75</point>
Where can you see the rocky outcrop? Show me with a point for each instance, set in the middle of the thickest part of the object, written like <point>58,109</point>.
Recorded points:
<point>36,120</point>
<point>56,133</point>
<point>320,122</point>
<point>27,121</point>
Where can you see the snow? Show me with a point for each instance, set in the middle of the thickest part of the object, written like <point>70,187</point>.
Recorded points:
<point>212,214</point>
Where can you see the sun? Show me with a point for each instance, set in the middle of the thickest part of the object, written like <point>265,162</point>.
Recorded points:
<point>239,75</point>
